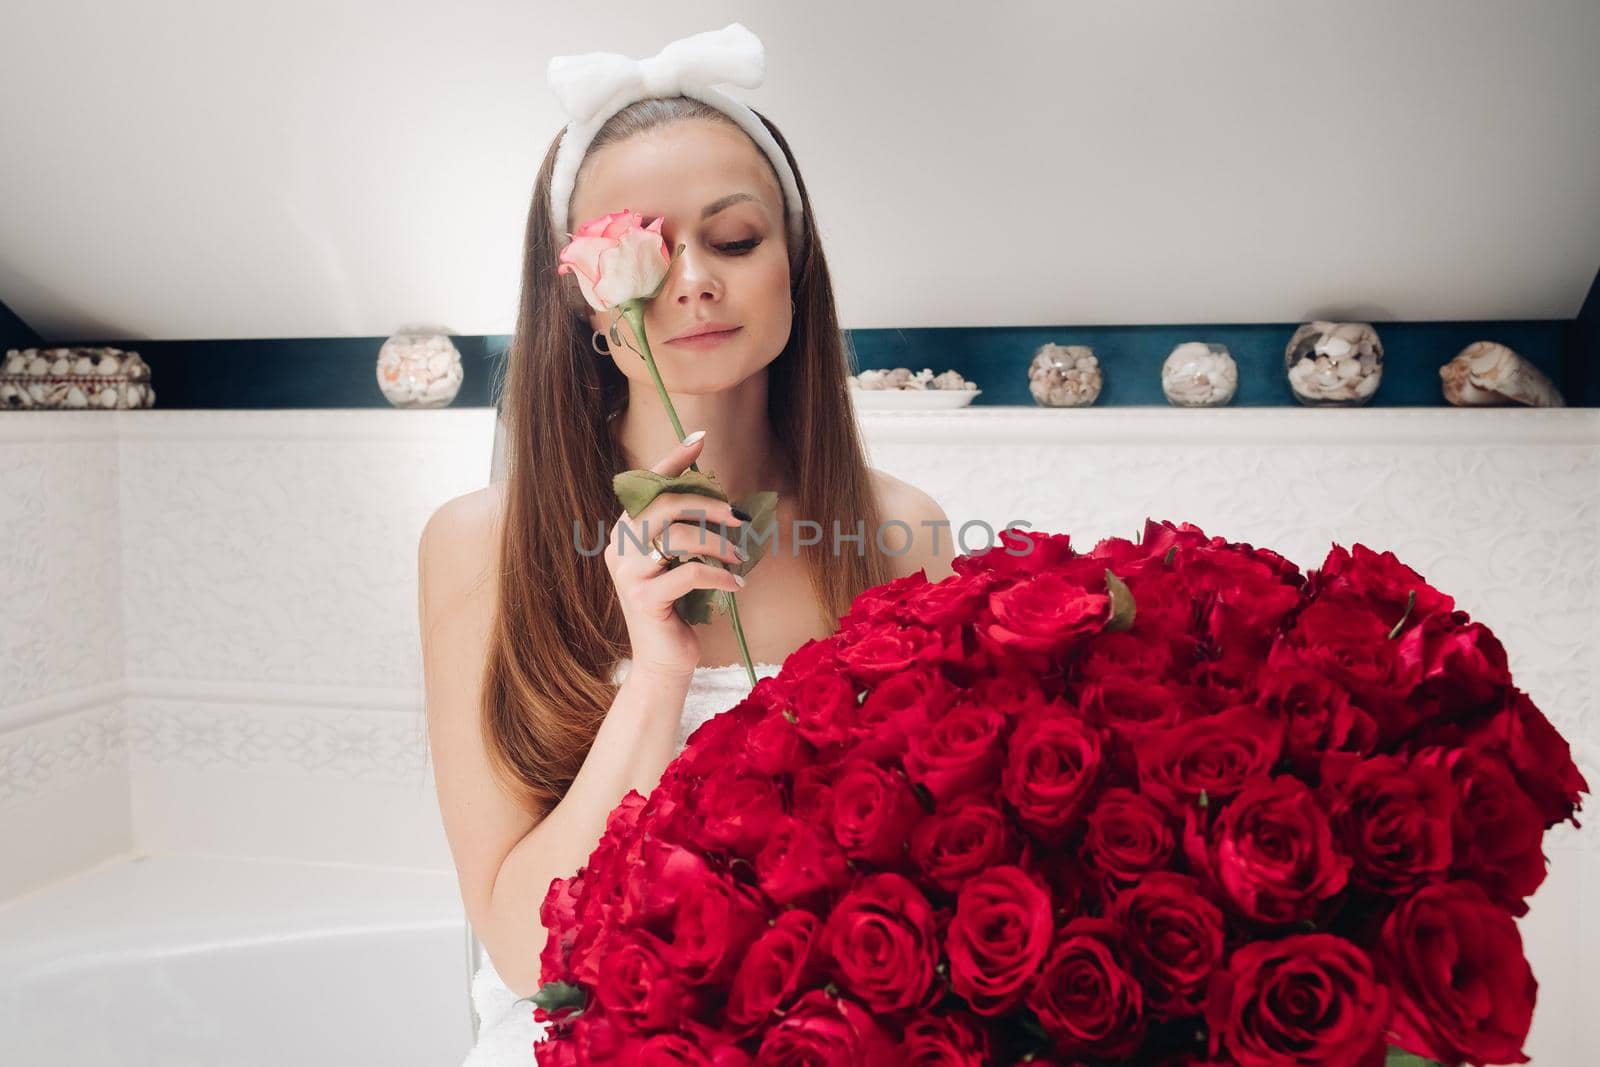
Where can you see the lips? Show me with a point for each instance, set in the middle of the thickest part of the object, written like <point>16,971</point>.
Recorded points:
<point>710,329</point>
<point>702,340</point>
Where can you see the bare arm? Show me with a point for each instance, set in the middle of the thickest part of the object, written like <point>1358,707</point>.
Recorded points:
<point>505,855</point>
<point>630,751</point>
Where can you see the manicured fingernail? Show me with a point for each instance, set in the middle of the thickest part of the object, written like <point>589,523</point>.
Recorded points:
<point>692,438</point>
<point>741,515</point>
<point>739,580</point>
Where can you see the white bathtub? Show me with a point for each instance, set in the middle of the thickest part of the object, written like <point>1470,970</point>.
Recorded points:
<point>179,960</point>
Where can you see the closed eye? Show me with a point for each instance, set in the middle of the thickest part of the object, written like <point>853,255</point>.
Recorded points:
<point>739,248</point>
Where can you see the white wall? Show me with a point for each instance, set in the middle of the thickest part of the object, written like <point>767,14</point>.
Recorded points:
<point>314,168</point>
<point>208,619</point>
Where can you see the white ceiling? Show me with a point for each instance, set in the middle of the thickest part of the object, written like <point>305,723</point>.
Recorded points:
<point>217,169</point>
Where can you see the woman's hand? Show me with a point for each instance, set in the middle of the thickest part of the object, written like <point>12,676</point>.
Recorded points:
<point>663,644</point>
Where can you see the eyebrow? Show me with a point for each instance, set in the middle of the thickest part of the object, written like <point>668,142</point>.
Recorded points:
<point>718,205</point>
<point>726,202</point>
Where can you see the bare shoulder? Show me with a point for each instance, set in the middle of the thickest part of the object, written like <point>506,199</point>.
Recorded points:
<point>459,539</point>
<point>925,542</point>
<point>457,600</point>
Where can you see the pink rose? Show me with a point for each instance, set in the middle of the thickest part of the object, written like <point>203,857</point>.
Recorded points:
<point>616,259</point>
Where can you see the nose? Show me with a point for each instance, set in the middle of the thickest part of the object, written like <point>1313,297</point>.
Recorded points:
<point>693,277</point>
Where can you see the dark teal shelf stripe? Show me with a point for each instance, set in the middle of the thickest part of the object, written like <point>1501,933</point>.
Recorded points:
<point>340,371</point>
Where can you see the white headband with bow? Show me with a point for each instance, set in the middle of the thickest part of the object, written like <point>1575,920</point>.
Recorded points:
<point>596,85</point>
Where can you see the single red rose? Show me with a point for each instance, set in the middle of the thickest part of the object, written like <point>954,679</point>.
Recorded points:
<point>637,986</point>
<point>1052,767</point>
<point>1464,990</point>
<point>1214,756</point>
<point>824,709</point>
<point>1160,538</point>
<point>1271,852</point>
<point>1085,1001</point>
<point>779,961</point>
<point>946,1041</point>
<point>882,603</point>
<point>958,753</point>
<point>954,844</point>
<point>735,809</point>
<point>713,925</point>
<point>813,795</point>
<point>1018,553</point>
<point>774,747</point>
<point>884,651</point>
<point>699,1046</point>
<point>1310,999</point>
<point>1127,836</point>
<point>953,601</point>
<point>664,873</point>
<point>559,915</point>
<point>1132,709</point>
<point>1013,693</point>
<point>1350,644</point>
<point>881,943</point>
<point>873,812</point>
<point>1498,831</point>
<point>998,938</point>
<point>799,862</point>
<point>1165,607</point>
<point>1392,818</point>
<point>824,1031</point>
<point>1133,654</point>
<point>1537,753</point>
<point>895,709</point>
<point>1043,615</point>
<point>595,1038</point>
<point>1317,714</point>
<point>1175,936</point>
<point>1223,678</point>
<point>1463,665</point>
<point>1243,600</point>
<point>1363,575</point>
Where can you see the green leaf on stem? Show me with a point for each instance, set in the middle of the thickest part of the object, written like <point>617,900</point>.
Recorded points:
<point>553,996</point>
<point>1398,1057</point>
<point>1411,602</point>
<point>1122,607</point>
<point>638,488</point>
<point>695,606</point>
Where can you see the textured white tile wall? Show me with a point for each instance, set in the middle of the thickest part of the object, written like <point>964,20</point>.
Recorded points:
<point>208,619</point>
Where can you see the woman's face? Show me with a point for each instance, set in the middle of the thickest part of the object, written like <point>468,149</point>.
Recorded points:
<point>734,267</point>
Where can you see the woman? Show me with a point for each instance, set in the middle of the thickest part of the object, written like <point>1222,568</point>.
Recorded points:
<point>525,632</point>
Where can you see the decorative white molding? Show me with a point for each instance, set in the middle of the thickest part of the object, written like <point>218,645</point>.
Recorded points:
<point>1201,427</point>
<point>337,744</point>
<point>57,754</point>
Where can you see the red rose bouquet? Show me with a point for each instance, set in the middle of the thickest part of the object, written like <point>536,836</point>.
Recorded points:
<point>1166,802</point>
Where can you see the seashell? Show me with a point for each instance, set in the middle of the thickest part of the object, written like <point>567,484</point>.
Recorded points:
<point>419,369</point>
<point>76,378</point>
<point>1064,375</point>
<point>1488,374</point>
<point>1334,363</point>
<point>1198,374</point>
<point>902,378</point>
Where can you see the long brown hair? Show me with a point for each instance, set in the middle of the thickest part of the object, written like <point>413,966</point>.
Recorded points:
<point>559,628</point>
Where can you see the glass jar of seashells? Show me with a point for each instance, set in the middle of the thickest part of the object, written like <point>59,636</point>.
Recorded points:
<point>419,369</point>
<point>1199,374</point>
<point>1064,376</point>
<point>1334,364</point>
